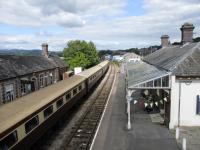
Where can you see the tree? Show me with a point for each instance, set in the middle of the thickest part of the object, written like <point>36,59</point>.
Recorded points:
<point>81,54</point>
<point>105,52</point>
<point>79,60</point>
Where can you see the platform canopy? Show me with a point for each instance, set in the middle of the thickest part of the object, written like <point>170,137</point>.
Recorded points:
<point>145,76</point>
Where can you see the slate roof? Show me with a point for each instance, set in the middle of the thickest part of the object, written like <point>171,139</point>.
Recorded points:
<point>181,60</point>
<point>13,65</point>
<point>57,61</point>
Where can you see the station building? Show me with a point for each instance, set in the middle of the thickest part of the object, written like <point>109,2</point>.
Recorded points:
<point>170,80</point>
<point>21,75</point>
<point>131,57</point>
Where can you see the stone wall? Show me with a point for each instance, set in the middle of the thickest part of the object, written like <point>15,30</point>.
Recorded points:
<point>50,77</point>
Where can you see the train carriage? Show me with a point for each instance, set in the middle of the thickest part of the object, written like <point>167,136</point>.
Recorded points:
<point>93,75</point>
<point>25,120</point>
<point>37,110</point>
<point>104,65</point>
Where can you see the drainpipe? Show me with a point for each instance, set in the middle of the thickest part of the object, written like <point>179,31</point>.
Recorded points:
<point>179,107</point>
<point>179,103</point>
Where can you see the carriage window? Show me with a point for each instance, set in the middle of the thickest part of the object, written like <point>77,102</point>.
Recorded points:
<point>31,124</point>
<point>48,111</point>
<point>80,87</point>
<point>59,103</point>
<point>8,141</point>
<point>75,91</point>
<point>68,96</point>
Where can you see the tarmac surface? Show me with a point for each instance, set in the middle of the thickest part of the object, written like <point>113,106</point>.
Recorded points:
<point>144,135</point>
<point>192,136</point>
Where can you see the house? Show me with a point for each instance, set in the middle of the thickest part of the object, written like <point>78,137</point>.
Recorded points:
<point>131,57</point>
<point>170,78</point>
<point>117,58</point>
<point>107,57</point>
<point>20,75</point>
<point>146,51</point>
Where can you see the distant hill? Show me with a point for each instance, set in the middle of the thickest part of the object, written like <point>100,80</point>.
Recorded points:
<point>34,52</point>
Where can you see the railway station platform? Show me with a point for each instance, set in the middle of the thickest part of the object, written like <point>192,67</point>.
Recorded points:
<point>144,134</point>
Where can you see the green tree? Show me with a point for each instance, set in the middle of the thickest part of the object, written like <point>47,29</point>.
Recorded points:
<point>79,60</point>
<point>81,53</point>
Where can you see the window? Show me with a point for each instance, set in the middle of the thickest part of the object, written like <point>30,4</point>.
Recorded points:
<point>41,80</point>
<point>31,124</point>
<point>8,141</point>
<point>198,105</point>
<point>9,93</point>
<point>80,87</point>
<point>75,91</point>
<point>51,77</point>
<point>25,88</point>
<point>68,96</point>
<point>59,103</point>
<point>165,81</point>
<point>34,83</point>
<point>48,111</point>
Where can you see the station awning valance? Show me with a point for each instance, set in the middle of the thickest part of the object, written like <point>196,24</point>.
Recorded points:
<point>145,76</point>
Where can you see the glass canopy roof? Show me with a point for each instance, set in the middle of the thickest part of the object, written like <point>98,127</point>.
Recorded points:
<point>145,76</point>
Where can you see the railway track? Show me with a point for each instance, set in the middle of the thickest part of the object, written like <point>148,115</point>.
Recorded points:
<point>84,130</point>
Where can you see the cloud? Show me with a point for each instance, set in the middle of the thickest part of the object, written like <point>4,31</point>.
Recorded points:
<point>56,43</point>
<point>160,18</point>
<point>67,13</point>
<point>105,22</point>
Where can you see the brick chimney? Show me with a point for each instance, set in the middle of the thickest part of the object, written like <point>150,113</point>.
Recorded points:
<point>187,33</point>
<point>45,51</point>
<point>164,40</point>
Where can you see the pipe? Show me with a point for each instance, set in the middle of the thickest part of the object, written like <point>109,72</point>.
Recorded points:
<point>179,104</point>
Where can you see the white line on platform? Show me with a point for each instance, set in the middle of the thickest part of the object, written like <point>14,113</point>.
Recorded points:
<point>103,112</point>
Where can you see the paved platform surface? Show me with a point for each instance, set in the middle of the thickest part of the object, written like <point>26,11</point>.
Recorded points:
<point>192,135</point>
<point>144,135</point>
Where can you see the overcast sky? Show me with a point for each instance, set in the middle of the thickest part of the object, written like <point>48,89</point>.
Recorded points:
<point>110,24</point>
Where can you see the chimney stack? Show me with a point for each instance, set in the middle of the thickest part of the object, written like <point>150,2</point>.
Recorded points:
<point>187,33</point>
<point>164,41</point>
<point>45,51</point>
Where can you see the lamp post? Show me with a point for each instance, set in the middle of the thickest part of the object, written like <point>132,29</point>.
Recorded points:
<point>129,114</point>
<point>129,99</point>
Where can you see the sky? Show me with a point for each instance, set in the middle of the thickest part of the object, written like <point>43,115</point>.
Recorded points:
<point>110,24</point>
